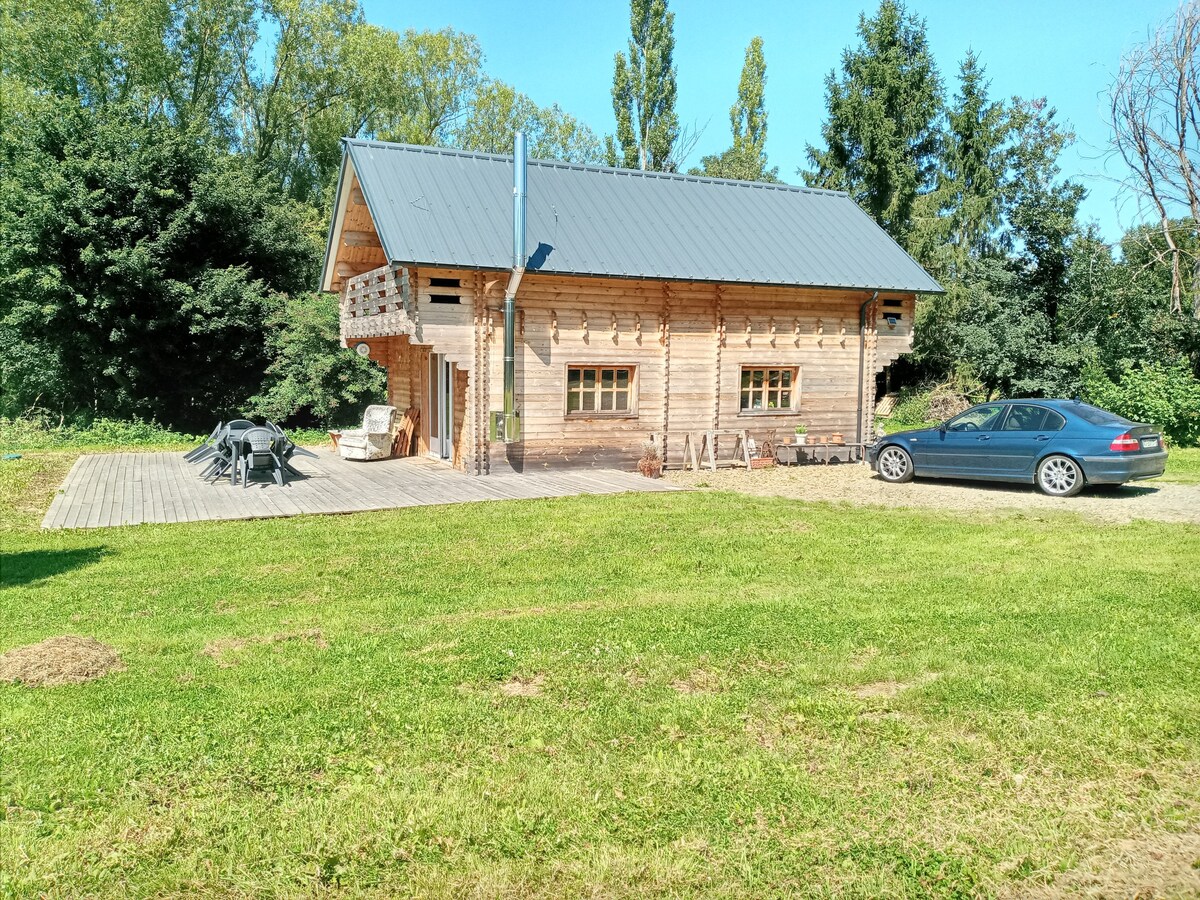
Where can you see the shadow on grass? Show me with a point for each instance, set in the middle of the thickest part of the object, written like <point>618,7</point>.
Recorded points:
<point>33,565</point>
<point>1128,491</point>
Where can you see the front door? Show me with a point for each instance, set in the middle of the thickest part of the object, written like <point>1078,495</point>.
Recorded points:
<point>441,406</point>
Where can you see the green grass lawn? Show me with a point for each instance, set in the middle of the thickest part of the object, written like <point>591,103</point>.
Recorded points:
<point>1183,464</point>
<point>619,696</point>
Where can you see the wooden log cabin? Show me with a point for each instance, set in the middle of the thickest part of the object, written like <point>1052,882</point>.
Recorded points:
<point>650,304</point>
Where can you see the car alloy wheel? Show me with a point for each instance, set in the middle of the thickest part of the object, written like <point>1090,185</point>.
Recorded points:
<point>1059,476</point>
<point>895,465</point>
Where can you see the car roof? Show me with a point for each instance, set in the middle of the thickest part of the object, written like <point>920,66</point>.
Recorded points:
<point>1037,401</point>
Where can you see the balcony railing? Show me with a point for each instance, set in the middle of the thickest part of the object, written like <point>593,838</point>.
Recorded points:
<point>377,303</point>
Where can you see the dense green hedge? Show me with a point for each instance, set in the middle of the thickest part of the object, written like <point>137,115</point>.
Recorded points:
<point>39,433</point>
<point>1166,396</point>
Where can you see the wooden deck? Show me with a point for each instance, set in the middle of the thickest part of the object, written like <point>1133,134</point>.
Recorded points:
<point>133,488</point>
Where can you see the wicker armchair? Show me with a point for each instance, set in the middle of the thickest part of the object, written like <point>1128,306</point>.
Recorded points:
<point>374,440</point>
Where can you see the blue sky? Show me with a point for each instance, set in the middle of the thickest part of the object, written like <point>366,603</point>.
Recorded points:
<point>562,51</point>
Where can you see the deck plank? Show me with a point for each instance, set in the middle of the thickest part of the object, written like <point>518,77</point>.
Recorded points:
<point>108,489</point>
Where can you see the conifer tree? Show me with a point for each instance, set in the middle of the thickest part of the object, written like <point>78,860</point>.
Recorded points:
<point>881,135</point>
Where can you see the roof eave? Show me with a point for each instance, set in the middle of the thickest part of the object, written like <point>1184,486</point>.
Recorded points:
<point>533,273</point>
<point>334,225</point>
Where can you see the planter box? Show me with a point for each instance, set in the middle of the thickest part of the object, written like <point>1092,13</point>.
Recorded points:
<point>762,462</point>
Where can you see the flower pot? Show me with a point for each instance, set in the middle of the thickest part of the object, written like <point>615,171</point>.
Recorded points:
<point>651,468</point>
<point>762,462</point>
<point>801,439</point>
<point>837,438</point>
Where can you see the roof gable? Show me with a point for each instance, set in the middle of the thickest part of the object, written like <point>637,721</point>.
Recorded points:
<point>453,209</point>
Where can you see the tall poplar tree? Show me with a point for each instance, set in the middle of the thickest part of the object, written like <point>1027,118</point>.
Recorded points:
<point>747,158</point>
<point>881,135</point>
<point>644,91</point>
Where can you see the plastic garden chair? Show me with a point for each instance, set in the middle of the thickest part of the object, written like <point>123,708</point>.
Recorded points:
<point>258,450</point>
<point>206,448</point>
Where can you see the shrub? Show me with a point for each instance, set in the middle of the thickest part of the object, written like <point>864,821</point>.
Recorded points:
<point>928,404</point>
<point>313,379</point>
<point>1165,396</point>
<point>37,432</point>
<point>911,411</point>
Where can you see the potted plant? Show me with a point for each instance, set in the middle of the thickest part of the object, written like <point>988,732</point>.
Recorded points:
<point>801,434</point>
<point>651,462</point>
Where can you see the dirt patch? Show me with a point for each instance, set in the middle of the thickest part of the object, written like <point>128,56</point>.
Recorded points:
<point>864,657</point>
<point>769,731</point>
<point>517,612</point>
<point>226,651</point>
<point>60,660</point>
<point>890,688</point>
<point>858,485</point>
<point>442,648</point>
<point>698,681</point>
<point>522,686</point>
<point>1161,865</point>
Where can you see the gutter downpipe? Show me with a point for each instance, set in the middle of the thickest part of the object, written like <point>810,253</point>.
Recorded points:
<point>511,430</point>
<point>862,354</point>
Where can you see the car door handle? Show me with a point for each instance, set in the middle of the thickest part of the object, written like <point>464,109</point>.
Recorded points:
<point>1042,437</point>
<point>984,437</point>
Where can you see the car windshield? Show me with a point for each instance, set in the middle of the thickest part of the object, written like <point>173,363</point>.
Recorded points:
<point>981,418</point>
<point>1097,416</point>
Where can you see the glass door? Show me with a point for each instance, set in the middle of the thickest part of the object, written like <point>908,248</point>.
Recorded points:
<point>441,406</point>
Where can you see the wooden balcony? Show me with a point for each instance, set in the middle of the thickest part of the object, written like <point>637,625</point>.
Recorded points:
<point>378,303</point>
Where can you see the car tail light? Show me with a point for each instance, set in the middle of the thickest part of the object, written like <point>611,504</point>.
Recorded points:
<point>1124,443</point>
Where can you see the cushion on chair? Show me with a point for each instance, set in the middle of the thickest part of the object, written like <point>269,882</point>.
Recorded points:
<point>378,419</point>
<point>372,441</point>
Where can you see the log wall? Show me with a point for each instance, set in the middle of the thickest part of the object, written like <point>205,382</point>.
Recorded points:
<point>687,342</point>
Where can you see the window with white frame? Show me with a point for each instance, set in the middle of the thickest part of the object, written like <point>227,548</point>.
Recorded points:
<point>600,390</point>
<point>767,389</point>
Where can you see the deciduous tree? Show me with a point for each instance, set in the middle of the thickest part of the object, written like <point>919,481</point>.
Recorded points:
<point>746,159</point>
<point>1155,111</point>
<point>498,111</point>
<point>644,90</point>
<point>138,268</point>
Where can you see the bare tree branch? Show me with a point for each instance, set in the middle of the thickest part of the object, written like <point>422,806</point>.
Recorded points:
<point>1155,109</point>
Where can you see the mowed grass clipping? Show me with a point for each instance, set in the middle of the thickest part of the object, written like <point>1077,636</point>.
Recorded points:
<point>627,696</point>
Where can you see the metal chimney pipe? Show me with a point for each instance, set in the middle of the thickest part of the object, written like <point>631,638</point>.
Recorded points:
<point>519,194</point>
<point>511,429</point>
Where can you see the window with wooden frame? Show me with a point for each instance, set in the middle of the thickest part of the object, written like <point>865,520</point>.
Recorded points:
<point>768,389</point>
<point>600,391</point>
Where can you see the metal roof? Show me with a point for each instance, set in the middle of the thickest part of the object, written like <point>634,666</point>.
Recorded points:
<point>451,208</point>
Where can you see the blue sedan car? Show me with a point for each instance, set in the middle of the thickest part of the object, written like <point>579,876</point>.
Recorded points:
<point>1059,445</point>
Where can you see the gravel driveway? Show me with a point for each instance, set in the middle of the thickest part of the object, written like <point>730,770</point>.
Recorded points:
<point>1155,500</point>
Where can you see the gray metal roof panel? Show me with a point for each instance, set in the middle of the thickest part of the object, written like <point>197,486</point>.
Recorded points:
<point>452,208</point>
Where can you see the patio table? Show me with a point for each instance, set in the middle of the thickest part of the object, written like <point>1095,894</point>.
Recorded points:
<point>854,452</point>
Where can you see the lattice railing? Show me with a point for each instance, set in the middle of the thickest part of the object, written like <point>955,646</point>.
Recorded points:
<point>373,293</point>
<point>377,303</point>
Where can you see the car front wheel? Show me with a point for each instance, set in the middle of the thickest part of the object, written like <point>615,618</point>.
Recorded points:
<point>1060,476</point>
<point>895,465</point>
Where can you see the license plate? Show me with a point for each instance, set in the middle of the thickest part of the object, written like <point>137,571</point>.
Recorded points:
<point>1149,443</point>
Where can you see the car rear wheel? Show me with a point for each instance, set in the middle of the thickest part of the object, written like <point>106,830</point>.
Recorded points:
<point>1059,476</point>
<point>895,465</point>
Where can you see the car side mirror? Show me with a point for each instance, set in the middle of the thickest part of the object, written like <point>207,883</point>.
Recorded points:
<point>942,428</point>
